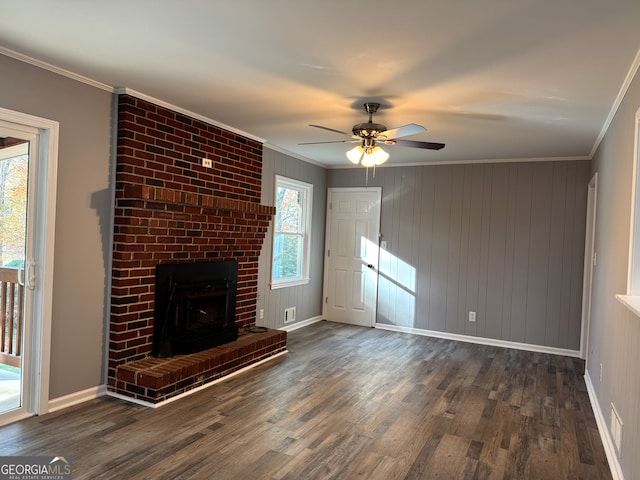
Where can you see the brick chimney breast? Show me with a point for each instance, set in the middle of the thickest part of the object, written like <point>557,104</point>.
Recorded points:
<point>169,208</point>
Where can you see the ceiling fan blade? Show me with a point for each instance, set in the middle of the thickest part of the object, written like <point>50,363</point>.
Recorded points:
<point>416,144</point>
<point>348,134</point>
<point>404,131</point>
<point>333,141</point>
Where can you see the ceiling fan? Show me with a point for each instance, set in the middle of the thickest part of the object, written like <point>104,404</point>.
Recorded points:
<point>369,134</point>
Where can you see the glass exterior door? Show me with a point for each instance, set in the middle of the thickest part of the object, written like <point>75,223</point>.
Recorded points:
<point>14,180</point>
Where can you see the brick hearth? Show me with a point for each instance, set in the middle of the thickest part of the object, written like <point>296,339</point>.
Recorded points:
<point>171,209</point>
<point>157,379</point>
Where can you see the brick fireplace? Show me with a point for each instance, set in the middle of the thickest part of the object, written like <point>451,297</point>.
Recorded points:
<point>171,209</point>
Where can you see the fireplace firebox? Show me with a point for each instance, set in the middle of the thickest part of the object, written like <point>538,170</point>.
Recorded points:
<point>195,305</point>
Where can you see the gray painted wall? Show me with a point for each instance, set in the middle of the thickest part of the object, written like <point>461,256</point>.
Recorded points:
<point>614,340</point>
<point>82,216</point>
<point>306,298</point>
<point>505,240</point>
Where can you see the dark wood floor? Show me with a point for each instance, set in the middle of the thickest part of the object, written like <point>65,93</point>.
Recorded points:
<point>344,403</point>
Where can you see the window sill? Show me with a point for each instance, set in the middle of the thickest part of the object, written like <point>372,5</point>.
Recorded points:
<point>632,302</point>
<point>295,283</point>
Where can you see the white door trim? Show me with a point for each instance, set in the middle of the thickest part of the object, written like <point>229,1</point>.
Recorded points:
<point>46,171</point>
<point>589,264</point>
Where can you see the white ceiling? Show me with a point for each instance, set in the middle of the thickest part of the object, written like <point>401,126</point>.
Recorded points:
<point>493,79</point>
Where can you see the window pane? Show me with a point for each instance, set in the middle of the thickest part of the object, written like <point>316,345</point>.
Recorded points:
<point>286,261</point>
<point>288,204</point>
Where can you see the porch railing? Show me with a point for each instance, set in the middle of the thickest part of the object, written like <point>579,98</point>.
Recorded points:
<point>11,315</point>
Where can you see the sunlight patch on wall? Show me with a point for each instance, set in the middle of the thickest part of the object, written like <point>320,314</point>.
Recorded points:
<point>396,290</point>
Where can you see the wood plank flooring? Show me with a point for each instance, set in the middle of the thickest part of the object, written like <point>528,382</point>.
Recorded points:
<point>344,403</point>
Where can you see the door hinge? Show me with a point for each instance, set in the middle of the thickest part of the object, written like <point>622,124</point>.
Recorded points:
<point>326,299</point>
<point>328,253</point>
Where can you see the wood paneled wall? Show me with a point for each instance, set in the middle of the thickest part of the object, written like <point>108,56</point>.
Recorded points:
<point>505,240</point>
<point>614,334</point>
<point>306,298</point>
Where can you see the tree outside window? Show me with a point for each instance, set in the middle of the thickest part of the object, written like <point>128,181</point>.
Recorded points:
<point>13,199</point>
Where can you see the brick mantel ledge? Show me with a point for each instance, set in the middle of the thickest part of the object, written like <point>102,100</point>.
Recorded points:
<point>167,195</point>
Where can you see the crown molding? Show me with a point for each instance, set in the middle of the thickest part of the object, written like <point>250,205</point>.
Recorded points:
<point>52,68</point>
<point>284,151</point>
<point>470,162</point>
<point>102,86</point>
<point>184,111</point>
<point>616,104</point>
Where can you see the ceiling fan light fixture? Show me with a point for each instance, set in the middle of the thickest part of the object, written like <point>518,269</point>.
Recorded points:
<point>379,155</point>
<point>355,154</point>
<point>368,161</point>
<point>367,156</point>
<point>373,157</point>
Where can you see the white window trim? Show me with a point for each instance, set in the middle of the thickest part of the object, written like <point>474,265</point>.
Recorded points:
<point>307,209</point>
<point>632,298</point>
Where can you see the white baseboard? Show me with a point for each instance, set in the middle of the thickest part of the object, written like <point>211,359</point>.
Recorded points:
<point>304,323</point>
<point>481,340</point>
<point>603,428</point>
<point>75,398</point>
<point>131,400</point>
<point>197,389</point>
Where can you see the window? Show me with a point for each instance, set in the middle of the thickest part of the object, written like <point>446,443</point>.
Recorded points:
<point>632,297</point>
<point>291,233</point>
<point>633,280</point>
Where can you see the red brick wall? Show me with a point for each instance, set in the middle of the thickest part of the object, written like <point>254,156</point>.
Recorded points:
<point>169,209</point>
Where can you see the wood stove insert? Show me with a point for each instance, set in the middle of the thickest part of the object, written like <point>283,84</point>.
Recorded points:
<point>195,306</point>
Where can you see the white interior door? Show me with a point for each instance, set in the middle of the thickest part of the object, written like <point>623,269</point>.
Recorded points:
<point>351,262</point>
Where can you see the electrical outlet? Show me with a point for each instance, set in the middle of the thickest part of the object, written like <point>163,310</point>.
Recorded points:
<point>261,313</point>
<point>472,316</point>
<point>207,163</point>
